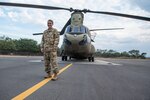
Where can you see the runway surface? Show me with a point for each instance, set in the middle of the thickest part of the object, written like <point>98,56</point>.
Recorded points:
<point>104,79</point>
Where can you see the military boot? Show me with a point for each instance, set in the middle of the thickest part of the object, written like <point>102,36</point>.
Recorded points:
<point>48,75</point>
<point>55,77</point>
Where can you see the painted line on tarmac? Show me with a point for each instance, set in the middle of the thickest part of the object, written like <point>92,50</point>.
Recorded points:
<point>28,92</point>
<point>35,61</point>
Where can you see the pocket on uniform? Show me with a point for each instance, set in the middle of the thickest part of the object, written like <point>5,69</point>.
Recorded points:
<point>54,54</point>
<point>52,41</point>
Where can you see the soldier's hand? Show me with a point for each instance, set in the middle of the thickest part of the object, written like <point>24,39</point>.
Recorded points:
<point>42,50</point>
<point>55,49</point>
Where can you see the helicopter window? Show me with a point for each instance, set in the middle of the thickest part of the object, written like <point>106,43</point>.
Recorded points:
<point>76,29</point>
<point>81,29</point>
<point>68,29</point>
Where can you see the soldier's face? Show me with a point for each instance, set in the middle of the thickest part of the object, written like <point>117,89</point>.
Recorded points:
<point>49,24</point>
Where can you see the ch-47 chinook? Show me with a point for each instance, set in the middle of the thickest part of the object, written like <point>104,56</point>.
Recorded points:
<point>77,42</point>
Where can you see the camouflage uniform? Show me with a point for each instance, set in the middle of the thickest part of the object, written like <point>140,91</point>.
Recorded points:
<point>49,45</point>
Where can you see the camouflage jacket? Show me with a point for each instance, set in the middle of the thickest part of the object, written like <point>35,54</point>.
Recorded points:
<point>50,40</point>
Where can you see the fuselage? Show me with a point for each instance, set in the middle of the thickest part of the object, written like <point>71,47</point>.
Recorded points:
<point>77,43</point>
<point>77,39</point>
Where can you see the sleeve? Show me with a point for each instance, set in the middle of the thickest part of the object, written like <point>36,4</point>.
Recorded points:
<point>56,39</point>
<point>42,42</point>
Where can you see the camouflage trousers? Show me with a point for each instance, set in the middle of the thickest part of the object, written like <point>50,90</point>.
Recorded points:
<point>50,59</point>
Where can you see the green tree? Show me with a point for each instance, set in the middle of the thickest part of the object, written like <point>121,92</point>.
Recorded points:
<point>26,45</point>
<point>134,53</point>
<point>7,45</point>
<point>143,55</point>
<point>125,54</point>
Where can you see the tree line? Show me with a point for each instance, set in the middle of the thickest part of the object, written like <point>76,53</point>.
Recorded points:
<point>111,53</point>
<point>31,47</point>
<point>21,46</point>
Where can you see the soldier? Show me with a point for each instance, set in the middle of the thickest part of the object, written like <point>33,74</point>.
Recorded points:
<point>49,45</point>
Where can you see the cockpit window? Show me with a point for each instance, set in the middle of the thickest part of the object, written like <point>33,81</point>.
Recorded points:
<point>68,29</point>
<point>83,29</point>
<point>76,29</point>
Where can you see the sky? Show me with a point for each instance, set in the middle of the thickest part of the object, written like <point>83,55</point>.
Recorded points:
<point>19,23</point>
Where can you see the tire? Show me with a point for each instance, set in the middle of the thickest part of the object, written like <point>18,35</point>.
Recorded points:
<point>65,58</point>
<point>89,58</point>
<point>92,59</point>
<point>62,58</point>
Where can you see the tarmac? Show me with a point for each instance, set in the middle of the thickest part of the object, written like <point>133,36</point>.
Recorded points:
<point>104,79</point>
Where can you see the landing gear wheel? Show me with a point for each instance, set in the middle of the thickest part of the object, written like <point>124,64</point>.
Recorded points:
<point>89,58</point>
<point>70,58</point>
<point>92,58</point>
<point>65,58</point>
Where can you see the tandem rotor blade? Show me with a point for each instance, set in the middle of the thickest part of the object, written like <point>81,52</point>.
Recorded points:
<point>106,29</point>
<point>75,10</point>
<point>37,33</point>
<point>33,6</point>
<point>120,14</point>
<point>40,33</point>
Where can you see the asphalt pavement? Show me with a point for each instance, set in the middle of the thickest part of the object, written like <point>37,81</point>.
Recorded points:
<point>104,79</point>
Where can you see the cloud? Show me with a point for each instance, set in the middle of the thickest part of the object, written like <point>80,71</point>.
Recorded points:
<point>2,14</point>
<point>136,32</point>
<point>143,4</point>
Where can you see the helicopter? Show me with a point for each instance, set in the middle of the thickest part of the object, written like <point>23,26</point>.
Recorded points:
<point>77,41</point>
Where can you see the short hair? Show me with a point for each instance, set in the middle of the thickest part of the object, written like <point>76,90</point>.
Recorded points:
<point>51,21</point>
